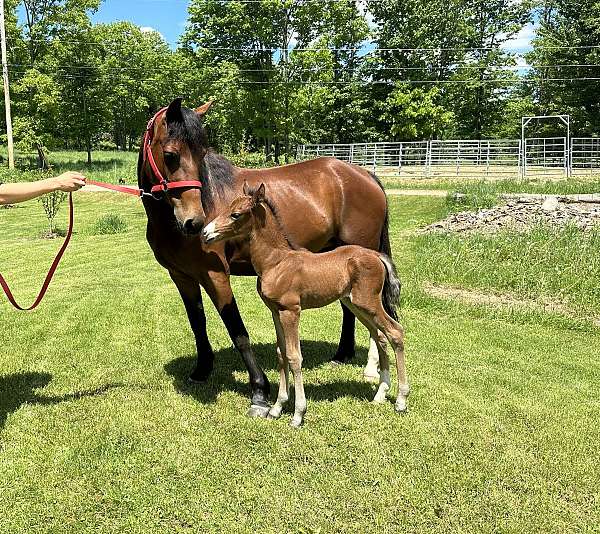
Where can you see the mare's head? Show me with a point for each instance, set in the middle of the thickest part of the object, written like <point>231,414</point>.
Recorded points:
<point>179,145</point>
<point>238,220</point>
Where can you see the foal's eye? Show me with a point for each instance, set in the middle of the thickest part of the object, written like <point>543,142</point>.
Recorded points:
<point>236,216</point>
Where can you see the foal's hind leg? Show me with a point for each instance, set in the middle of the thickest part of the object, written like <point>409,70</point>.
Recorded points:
<point>370,309</point>
<point>290,320</point>
<point>284,388</point>
<point>378,339</point>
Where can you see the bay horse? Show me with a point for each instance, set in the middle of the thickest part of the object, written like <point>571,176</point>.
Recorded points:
<point>292,279</point>
<point>327,203</point>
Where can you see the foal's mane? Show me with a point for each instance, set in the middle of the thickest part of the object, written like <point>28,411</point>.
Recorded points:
<point>269,203</point>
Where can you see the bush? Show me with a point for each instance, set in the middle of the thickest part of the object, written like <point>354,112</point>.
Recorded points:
<point>110,223</point>
<point>51,204</point>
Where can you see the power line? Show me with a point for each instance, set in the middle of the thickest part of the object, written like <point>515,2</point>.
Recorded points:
<point>333,49</point>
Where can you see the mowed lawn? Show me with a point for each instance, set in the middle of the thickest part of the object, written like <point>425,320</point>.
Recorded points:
<point>100,432</point>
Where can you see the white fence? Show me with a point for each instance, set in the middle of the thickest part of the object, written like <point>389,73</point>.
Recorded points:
<point>547,156</point>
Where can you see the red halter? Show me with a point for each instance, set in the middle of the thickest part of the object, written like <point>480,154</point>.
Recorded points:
<point>163,185</point>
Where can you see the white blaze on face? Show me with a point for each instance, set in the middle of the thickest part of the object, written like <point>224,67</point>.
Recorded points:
<point>210,231</point>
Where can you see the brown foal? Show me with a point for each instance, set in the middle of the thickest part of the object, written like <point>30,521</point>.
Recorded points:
<point>292,279</point>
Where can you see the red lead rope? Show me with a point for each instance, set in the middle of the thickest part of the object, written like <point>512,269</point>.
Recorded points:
<point>50,272</point>
<point>163,187</point>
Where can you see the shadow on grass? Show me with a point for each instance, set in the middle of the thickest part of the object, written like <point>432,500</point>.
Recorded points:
<point>227,361</point>
<point>20,388</point>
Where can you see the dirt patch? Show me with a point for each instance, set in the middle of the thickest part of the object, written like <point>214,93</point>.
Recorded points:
<point>522,213</point>
<point>503,300</point>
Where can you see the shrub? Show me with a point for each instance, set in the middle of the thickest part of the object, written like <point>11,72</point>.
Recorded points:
<point>111,223</point>
<point>51,204</point>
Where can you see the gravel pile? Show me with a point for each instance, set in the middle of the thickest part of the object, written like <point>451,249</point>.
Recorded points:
<point>520,214</point>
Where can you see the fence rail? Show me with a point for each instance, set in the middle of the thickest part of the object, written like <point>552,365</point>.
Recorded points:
<point>537,156</point>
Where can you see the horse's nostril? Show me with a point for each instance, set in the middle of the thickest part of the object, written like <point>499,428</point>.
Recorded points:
<point>191,226</point>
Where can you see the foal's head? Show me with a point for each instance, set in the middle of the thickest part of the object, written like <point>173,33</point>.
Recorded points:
<point>238,219</point>
<point>179,145</point>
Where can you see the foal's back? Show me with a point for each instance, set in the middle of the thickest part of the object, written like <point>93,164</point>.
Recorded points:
<point>318,279</point>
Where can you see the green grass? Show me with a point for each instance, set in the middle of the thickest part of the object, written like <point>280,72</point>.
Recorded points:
<point>107,166</point>
<point>574,185</point>
<point>99,431</point>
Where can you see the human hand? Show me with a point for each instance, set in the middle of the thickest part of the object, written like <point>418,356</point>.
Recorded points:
<point>68,182</point>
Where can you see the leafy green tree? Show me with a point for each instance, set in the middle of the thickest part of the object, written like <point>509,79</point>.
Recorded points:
<point>566,49</point>
<point>415,113</point>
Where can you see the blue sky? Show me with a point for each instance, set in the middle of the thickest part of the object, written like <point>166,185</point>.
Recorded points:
<point>166,16</point>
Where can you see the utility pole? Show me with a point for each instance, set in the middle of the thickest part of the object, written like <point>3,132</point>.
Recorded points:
<point>9,132</point>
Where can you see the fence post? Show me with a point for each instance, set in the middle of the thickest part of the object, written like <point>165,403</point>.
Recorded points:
<point>400,160</point>
<point>352,153</point>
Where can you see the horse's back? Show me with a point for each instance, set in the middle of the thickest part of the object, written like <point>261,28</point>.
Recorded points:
<point>324,202</point>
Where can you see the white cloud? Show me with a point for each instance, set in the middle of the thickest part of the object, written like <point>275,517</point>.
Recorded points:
<point>150,29</point>
<point>521,42</point>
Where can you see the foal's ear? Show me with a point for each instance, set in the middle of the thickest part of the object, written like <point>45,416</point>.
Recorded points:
<point>246,188</point>
<point>203,110</point>
<point>174,111</point>
<point>259,194</point>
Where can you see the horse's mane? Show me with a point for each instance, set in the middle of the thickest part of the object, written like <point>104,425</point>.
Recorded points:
<point>216,173</point>
<point>277,217</point>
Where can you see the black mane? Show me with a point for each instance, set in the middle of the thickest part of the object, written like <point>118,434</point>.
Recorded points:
<point>216,173</point>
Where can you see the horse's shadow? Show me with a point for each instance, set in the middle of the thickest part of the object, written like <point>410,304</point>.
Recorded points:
<point>21,388</point>
<point>227,362</point>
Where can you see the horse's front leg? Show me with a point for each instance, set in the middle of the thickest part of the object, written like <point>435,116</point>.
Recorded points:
<point>190,292</point>
<point>218,287</point>
<point>347,346</point>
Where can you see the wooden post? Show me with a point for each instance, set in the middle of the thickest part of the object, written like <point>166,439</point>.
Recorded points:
<point>9,132</point>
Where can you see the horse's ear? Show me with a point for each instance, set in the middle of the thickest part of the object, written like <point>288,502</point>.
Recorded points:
<point>174,111</point>
<point>203,110</point>
<point>246,189</point>
<point>259,194</point>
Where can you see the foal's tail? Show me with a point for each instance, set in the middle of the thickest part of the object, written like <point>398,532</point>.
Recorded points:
<point>391,287</point>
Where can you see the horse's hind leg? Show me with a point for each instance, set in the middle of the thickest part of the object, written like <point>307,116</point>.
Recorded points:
<point>284,387</point>
<point>347,345</point>
<point>190,292</point>
<point>219,290</point>
<point>371,372</point>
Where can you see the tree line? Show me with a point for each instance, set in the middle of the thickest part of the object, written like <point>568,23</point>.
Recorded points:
<point>284,72</point>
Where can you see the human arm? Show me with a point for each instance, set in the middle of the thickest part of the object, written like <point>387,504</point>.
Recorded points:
<point>20,192</point>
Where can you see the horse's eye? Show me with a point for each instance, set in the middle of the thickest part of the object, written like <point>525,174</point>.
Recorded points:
<point>171,158</point>
<point>236,216</point>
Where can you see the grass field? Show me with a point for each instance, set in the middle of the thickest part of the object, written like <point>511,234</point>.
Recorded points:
<point>99,431</point>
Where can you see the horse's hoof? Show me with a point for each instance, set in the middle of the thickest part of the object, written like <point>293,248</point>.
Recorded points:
<point>199,376</point>
<point>257,411</point>
<point>196,381</point>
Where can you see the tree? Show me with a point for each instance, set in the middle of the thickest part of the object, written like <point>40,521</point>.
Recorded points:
<point>568,34</point>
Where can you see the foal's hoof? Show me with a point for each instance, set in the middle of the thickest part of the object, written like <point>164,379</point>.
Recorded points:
<point>296,422</point>
<point>401,407</point>
<point>274,413</point>
<point>256,410</point>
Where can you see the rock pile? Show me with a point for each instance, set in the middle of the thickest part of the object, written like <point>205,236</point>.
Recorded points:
<point>521,213</point>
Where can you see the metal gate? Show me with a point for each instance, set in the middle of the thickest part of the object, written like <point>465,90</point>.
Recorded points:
<point>545,156</point>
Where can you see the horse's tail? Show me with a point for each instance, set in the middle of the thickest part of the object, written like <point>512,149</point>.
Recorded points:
<point>385,248</point>
<point>391,287</point>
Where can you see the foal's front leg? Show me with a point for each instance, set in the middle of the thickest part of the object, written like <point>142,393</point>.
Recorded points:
<point>284,387</point>
<point>290,320</point>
